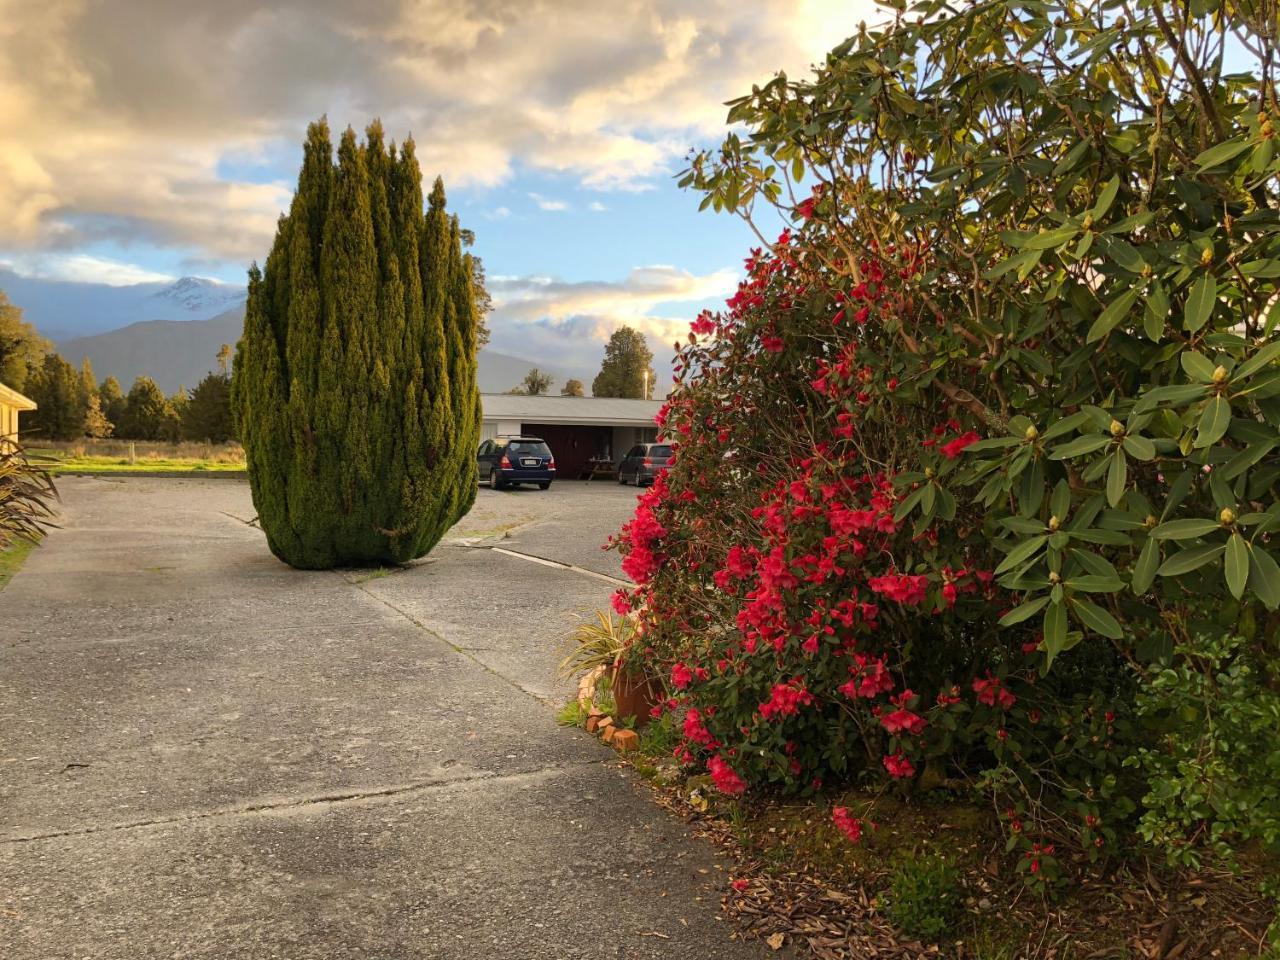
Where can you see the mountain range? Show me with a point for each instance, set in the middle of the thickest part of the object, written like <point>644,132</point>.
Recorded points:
<point>63,310</point>
<point>121,330</point>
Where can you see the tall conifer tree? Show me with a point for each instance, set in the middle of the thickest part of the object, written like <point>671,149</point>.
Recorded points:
<point>354,383</point>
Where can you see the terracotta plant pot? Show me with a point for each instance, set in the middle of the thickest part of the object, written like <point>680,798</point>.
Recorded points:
<point>633,695</point>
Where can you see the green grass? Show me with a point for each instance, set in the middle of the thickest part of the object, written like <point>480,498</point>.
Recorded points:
<point>11,559</point>
<point>86,464</point>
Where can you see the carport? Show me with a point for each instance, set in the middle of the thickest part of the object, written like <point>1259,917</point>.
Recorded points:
<point>576,428</point>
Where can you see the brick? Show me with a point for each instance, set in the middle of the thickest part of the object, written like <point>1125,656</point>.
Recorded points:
<point>607,733</point>
<point>624,741</point>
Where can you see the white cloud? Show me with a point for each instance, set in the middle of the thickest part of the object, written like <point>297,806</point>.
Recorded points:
<point>501,213</point>
<point>82,268</point>
<point>597,207</point>
<point>568,322</point>
<point>546,203</point>
<point>114,117</point>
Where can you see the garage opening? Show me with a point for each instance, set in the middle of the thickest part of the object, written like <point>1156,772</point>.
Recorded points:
<point>572,445</point>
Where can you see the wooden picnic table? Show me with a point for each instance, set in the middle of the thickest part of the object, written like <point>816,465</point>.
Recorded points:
<point>597,467</point>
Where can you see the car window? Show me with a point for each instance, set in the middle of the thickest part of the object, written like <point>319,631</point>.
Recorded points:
<point>485,448</point>
<point>530,448</point>
<point>634,452</point>
<point>660,450</point>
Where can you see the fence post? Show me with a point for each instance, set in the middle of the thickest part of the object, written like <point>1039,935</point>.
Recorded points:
<point>133,453</point>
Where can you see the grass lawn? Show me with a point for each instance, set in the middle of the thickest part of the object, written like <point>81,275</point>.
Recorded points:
<point>11,559</point>
<point>63,462</point>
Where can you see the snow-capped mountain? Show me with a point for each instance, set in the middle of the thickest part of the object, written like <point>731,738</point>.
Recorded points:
<point>64,309</point>
<point>197,297</point>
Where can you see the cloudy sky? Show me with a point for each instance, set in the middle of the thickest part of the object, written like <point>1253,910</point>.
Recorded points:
<point>142,139</point>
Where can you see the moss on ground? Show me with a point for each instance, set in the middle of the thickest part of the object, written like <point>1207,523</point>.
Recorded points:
<point>11,559</point>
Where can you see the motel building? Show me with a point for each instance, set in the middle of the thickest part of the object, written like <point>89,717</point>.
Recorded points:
<point>11,404</point>
<point>582,432</point>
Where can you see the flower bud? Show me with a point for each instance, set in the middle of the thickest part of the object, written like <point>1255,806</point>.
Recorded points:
<point>1032,432</point>
<point>1227,516</point>
<point>1117,428</point>
<point>1054,577</point>
<point>1054,523</point>
<point>1206,257</point>
<point>1219,374</point>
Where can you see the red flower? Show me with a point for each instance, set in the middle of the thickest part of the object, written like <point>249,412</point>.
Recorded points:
<point>725,777</point>
<point>898,766</point>
<point>847,824</point>
<point>681,676</point>
<point>955,447</point>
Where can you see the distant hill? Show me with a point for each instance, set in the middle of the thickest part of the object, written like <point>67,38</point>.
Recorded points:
<point>62,309</point>
<point>173,352</point>
<point>170,352</point>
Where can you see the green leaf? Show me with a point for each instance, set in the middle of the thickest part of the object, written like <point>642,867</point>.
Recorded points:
<point>1144,570</point>
<point>1264,577</point>
<point>1060,501</point>
<point>1055,631</point>
<point>1096,619</point>
<point>1188,560</point>
<point>1117,478</point>
<point>1257,361</point>
<point>1157,311</point>
<point>1236,565</point>
<point>1023,611</point>
<point>1050,238</point>
<point>1065,425</point>
<point>1093,583</point>
<point>1115,311</point>
<point>1125,255</point>
<point>1079,446</point>
<point>1023,551</point>
<point>1197,366</point>
<point>1222,153</point>
<point>1214,421</point>
<point>1106,198</point>
<point>1200,302</point>
<point>1140,448</point>
<point>909,504</point>
<point>1184,529</point>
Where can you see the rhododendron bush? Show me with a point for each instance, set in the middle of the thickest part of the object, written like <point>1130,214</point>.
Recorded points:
<point>987,438</point>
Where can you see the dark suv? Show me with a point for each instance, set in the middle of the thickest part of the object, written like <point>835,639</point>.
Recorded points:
<point>642,463</point>
<point>507,461</point>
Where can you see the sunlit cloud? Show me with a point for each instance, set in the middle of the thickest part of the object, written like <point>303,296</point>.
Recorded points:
<point>82,268</point>
<point>142,122</point>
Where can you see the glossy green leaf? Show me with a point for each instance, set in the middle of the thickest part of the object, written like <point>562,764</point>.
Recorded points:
<point>1140,448</point>
<point>1214,420</point>
<point>1264,577</point>
<point>1235,565</point>
<point>1096,618</point>
<point>1221,153</point>
<point>1023,611</point>
<point>1144,570</point>
<point>1185,529</point>
<point>1200,302</point>
<point>1117,477</point>
<point>1188,560</point>
<point>1197,366</point>
<point>1023,551</point>
<point>1115,311</point>
<point>1055,631</point>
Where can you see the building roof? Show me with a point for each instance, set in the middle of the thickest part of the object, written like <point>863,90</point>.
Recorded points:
<point>604,411</point>
<point>12,398</point>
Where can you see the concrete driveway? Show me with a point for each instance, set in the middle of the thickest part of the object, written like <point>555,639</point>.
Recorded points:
<point>204,753</point>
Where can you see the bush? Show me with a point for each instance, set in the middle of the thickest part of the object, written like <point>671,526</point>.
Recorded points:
<point>27,495</point>
<point>924,896</point>
<point>991,431</point>
<point>354,384</point>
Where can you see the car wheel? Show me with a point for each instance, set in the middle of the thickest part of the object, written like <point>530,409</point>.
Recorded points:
<point>495,479</point>
<point>544,485</point>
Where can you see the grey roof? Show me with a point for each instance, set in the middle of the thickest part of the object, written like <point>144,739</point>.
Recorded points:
<point>608,411</point>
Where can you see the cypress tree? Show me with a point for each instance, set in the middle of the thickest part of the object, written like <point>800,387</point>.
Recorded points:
<point>354,382</point>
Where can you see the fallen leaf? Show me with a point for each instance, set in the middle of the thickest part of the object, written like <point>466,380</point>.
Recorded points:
<point>776,941</point>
